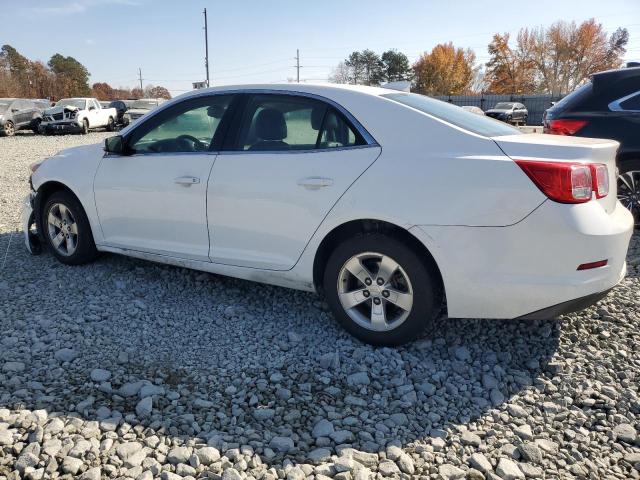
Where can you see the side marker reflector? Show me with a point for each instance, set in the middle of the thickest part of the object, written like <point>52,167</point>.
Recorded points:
<point>588,266</point>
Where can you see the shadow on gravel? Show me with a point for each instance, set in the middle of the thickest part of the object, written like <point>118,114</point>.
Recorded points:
<point>238,363</point>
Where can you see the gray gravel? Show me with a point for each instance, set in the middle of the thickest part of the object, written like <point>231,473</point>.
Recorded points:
<point>125,368</point>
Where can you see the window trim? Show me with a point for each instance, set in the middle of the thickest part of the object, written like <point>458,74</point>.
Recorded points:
<point>616,106</point>
<point>230,142</point>
<point>242,94</point>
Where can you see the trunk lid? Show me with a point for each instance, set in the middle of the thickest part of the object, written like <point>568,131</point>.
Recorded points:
<point>535,146</point>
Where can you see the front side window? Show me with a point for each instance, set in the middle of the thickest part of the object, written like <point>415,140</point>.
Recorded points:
<point>273,122</point>
<point>190,126</point>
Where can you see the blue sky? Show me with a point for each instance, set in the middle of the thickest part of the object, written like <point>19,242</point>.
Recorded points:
<point>255,41</point>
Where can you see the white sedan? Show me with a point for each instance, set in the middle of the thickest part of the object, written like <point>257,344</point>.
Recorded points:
<point>389,204</point>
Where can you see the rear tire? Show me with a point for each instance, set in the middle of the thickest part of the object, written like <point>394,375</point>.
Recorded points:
<point>629,188</point>
<point>392,312</point>
<point>66,229</point>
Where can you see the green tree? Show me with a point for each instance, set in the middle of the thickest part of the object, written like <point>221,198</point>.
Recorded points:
<point>71,75</point>
<point>395,66</point>
<point>14,72</point>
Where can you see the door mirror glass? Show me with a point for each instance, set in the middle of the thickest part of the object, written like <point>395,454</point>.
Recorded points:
<point>114,145</point>
<point>92,107</point>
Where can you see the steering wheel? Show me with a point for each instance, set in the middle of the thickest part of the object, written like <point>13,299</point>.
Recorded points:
<point>192,142</point>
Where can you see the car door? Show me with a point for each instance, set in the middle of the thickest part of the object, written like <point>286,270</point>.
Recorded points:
<point>18,112</point>
<point>153,197</point>
<point>95,115</point>
<point>289,160</point>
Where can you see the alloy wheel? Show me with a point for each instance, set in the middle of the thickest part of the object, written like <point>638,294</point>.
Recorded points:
<point>629,192</point>
<point>375,291</point>
<point>62,229</point>
<point>9,129</point>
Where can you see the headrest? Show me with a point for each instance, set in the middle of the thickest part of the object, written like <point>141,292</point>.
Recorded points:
<point>270,125</point>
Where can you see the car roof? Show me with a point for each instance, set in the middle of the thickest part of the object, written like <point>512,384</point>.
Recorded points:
<point>310,88</point>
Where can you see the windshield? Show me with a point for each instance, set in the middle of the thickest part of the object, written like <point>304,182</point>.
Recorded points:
<point>144,104</point>
<point>72,102</point>
<point>453,114</point>
<point>577,94</point>
<point>503,105</point>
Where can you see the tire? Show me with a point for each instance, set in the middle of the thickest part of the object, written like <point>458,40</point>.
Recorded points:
<point>9,129</point>
<point>629,188</point>
<point>75,248</point>
<point>400,325</point>
<point>110,125</point>
<point>85,126</point>
<point>35,125</point>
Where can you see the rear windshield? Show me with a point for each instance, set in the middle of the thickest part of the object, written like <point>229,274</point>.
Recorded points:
<point>453,114</point>
<point>577,94</point>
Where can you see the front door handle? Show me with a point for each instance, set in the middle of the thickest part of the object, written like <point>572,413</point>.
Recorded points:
<point>186,181</point>
<point>315,183</point>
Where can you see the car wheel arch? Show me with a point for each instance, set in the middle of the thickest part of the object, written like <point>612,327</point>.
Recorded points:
<point>361,227</point>
<point>43,193</point>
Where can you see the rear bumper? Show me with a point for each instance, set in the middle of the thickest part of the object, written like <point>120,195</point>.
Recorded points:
<point>519,270</point>
<point>566,307</point>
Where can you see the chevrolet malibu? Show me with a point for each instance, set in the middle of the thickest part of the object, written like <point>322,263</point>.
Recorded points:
<point>391,205</point>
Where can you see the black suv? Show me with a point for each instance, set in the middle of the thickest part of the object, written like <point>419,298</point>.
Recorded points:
<point>121,107</point>
<point>18,113</point>
<point>607,107</point>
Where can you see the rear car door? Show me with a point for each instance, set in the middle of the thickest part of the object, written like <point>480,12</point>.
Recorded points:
<point>153,199</point>
<point>288,160</point>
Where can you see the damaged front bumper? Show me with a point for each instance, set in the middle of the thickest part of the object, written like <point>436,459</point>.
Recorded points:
<point>31,238</point>
<point>60,127</point>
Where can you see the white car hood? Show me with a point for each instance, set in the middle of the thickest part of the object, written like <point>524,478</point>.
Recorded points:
<point>60,109</point>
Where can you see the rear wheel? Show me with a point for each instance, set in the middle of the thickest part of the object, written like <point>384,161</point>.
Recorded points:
<point>380,290</point>
<point>67,230</point>
<point>629,188</point>
<point>9,129</point>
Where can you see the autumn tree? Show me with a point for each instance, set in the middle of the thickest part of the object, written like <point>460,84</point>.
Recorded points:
<point>395,66</point>
<point>446,70</point>
<point>157,91</point>
<point>555,59</point>
<point>102,91</point>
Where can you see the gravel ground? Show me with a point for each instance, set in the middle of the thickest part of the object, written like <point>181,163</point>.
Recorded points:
<point>125,368</point>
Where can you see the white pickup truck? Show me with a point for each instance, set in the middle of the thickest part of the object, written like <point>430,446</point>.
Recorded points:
<point>73,115</point>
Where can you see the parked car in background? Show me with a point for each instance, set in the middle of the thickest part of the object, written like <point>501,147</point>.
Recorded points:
<point>19,114</point>
<point>509,112</point>
<point>141,107</point>
<point>473,109</point>
<point>121,107</point>
<point>608,106</point>
<point>77,115</point>
<point>371,197</point>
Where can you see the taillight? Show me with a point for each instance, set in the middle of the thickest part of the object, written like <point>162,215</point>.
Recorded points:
<point>564,126</point>
<point>600,175</point>
<point>564,182</point>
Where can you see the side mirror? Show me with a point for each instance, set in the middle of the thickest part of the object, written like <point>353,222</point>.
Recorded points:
<point>114,145</point>
<point>14,110</point>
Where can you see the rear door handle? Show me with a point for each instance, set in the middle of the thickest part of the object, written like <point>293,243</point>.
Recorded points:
<point>186,181</point>
<point>315,183</point>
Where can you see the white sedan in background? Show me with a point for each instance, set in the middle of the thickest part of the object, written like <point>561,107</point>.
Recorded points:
<point>386,203</point>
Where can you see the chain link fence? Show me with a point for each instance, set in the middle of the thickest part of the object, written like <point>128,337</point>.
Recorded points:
<point>536,104</point>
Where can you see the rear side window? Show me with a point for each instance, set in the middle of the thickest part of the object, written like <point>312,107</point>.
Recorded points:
<point>454,115</point>
<point>274,122</point>
<point>631,103</point>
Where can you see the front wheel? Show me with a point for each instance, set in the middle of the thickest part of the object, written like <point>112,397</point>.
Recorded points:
<point>380,290</point>
<point>85,126</point>
<point>110,125</point>
<point>67,230</point>
<point>9,129</point>
<point>629,188</point>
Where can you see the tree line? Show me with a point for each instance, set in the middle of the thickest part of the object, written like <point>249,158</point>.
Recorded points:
<point>554,59</point>
<point>60,77</point>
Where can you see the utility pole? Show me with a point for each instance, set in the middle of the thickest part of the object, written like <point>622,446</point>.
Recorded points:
<point>140,77</point>
<point>206,46</point>
<point>298,65</point>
